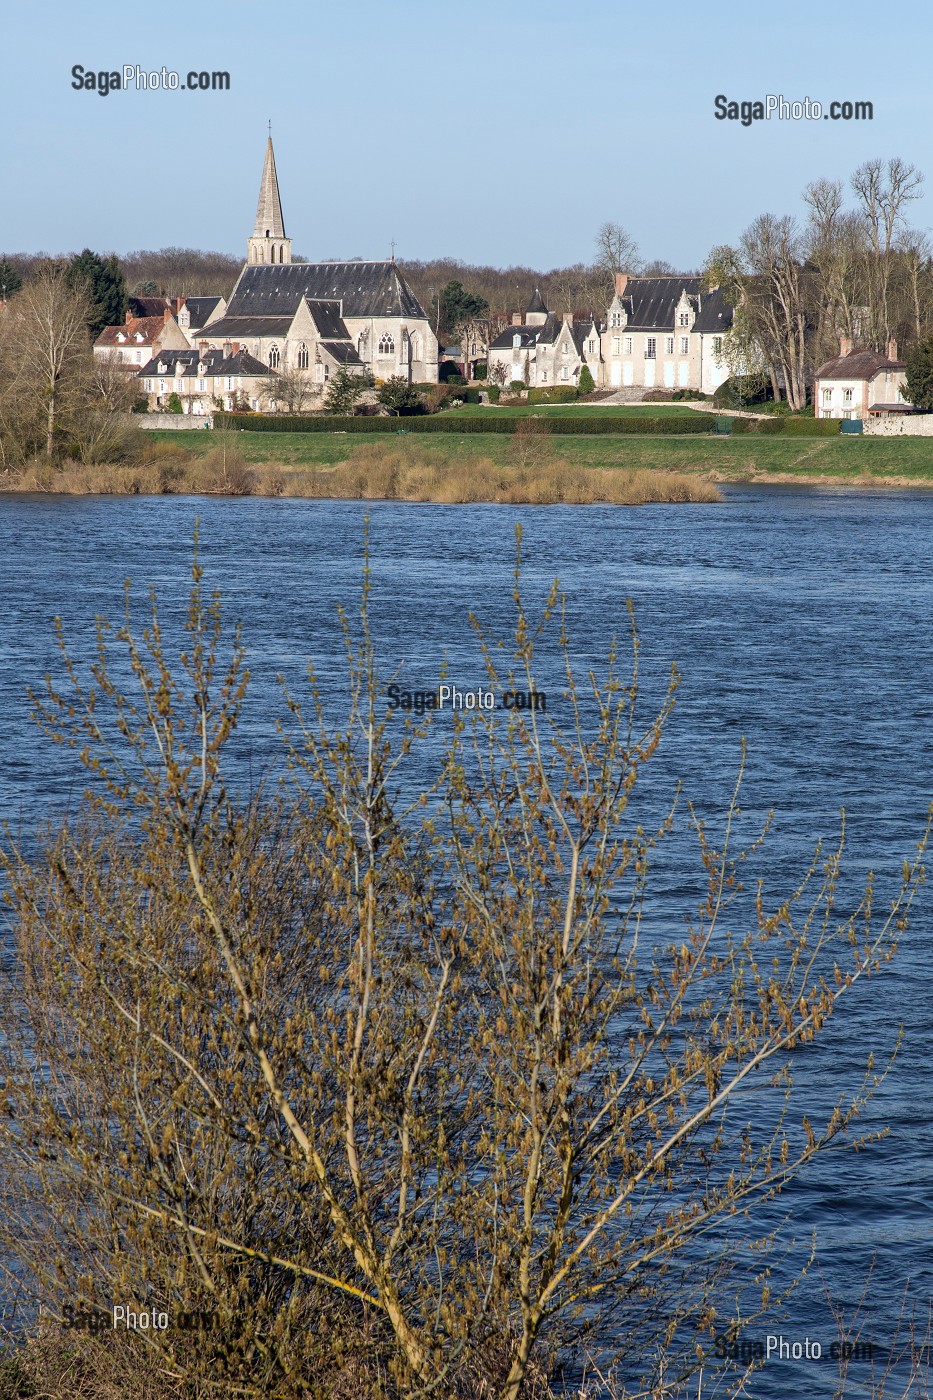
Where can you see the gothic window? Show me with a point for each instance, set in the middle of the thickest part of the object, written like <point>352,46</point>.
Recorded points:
<point>274,357</point>
<point>303,357</point>
<point>386,344</point>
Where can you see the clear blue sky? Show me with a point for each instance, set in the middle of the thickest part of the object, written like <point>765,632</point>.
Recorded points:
<point>498,132</point>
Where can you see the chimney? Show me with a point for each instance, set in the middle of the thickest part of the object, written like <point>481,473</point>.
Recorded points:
<point>129,317</point>
<point>236,347</point>
<point>621,283</point>
<point>166,315</point>
<point>892,349</point>
<point>516,318</point>
<point>202,346</point>
<point>568,318</point>
<point>845,345</point>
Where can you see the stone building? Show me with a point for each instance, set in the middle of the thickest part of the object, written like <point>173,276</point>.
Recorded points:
<point>315,318</point>
<point>134,343</point>
<point>205,380</point>
<point>665,333</point>
<point>659,332</point>
<point>860,383</point>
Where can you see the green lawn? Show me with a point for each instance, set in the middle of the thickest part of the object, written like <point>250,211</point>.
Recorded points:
<point>577,410</point>
<point>729,459</point>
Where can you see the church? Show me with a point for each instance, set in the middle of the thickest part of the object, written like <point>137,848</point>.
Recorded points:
<point>318,318</point>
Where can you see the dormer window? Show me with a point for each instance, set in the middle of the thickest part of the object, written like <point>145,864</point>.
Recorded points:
<point>684,318</point>
<point>139,337</point>
<point>162,367</point>
<point>516,341</point>
<point>121,337</point>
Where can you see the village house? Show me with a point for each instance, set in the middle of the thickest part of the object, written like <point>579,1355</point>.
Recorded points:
<point>204,380</point>
<point>134,343</point>
<point>542,349</point>
<point>860,383</point>
<point>316,318</point>
<point>190,312</point>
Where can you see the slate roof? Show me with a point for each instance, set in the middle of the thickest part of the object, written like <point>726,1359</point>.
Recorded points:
<point>651,302</point>
<point>328,320</point>
<point>528,335</point>
<point>713,312</point>
<point>364,288</point>
<point>147,326</point>
<point>858,364</point>
<point>536,303</point>
<point>239,327</point>
<point>342,351</point>
<point>184,363</point>
<point>147,306</point>
<point>199,308</point>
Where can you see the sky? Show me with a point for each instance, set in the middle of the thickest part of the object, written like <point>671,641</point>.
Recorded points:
<point>501,133</point>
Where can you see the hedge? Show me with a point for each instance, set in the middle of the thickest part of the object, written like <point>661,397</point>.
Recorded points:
<point>462,424</point>
<point>785,426</point>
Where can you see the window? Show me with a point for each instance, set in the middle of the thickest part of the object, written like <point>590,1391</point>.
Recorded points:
<point>591,347</point>
<point>628,345</point>
<point>327,371</point>
<point>565,349</point>
<point>615,344</point>
<point>685,345</point>
<point>684,318</point>
<point>827,396</point>
<point>717,345</point>
<point>616,320</point>
<point>386,344</point>
<point>303,357</point>
<point>201,386</point>
<point>149,386</point>
<point>273,358</point>
<point>230,381</point>
<point>651,350</point>
<point>847,413</point>
<point>564,372</point>
<point>847,396</point>
<point>670,345</point>
<point>179,385</point>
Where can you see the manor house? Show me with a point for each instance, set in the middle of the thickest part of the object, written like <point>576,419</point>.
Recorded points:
<point>658,332</point>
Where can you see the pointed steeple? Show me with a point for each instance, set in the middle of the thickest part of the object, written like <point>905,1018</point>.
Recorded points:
<point>268,243</point>
<point>536,313</point>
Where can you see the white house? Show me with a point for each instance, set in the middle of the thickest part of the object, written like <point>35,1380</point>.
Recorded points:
<point>860,383</point>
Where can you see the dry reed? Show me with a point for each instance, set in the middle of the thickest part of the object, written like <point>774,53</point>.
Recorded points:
<point>373,471</point>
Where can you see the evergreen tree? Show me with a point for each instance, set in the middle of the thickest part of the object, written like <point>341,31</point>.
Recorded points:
<point>457,305</point>
<point>105,285</point>
<point>585,384</point>
<point>10,280</point>
<point>343,392</point>
<point>919,387</point>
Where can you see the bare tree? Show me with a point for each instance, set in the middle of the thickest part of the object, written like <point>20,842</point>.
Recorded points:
<point>409,1090</point>
<point>884,189</point>
<point>51,325</point>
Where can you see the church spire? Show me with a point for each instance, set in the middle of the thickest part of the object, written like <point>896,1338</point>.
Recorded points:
<point>268,243</point>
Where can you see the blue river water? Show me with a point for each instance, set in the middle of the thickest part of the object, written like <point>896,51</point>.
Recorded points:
<point>800,620</point>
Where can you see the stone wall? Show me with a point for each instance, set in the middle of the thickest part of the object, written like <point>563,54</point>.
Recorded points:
<point>172,420</point>
<point>900,425</point>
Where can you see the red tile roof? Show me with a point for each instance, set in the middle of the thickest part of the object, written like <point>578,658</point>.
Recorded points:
<point>148,327</point>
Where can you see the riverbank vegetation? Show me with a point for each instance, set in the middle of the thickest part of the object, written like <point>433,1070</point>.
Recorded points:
<point>529,471</point>
<point>401,1096</point>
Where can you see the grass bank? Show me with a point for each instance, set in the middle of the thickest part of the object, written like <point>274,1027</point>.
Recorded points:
<point>859,460</point>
